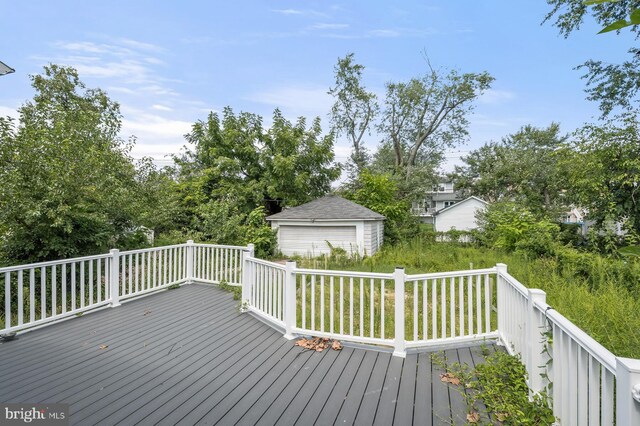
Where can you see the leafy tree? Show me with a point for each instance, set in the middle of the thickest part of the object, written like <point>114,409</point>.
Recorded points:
<point>379,192</point>
<point>611,85</point>
<point>427,114</point>
<point>524,167</point>
<point>510,226</point>
<point>68,183</point>
<point>354,109</point>
<point>237,160</point>
<point>605,173</point>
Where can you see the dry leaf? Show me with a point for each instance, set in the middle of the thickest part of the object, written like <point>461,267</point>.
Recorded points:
<point>104,346</point>
<point>146,312</point>
<point>318,344</point>
<point>473,417</point>
<point>449,378</point>
<point>336,346</point>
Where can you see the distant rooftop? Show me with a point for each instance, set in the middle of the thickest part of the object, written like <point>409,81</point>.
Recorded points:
<point>326,208</point>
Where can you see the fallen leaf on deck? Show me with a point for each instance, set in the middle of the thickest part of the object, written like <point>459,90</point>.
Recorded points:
<point>473,417</point>
<point>104,346</point>
<point>318,344</point>
<point>146,312</point>
<point>449,378</point>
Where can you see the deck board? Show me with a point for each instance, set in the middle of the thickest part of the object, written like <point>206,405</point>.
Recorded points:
<point>187,356</point>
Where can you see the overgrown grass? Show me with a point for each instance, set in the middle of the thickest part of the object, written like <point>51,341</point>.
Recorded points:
<point>600,295</point>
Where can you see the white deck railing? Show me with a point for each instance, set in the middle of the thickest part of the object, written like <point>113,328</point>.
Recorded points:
<point>585,382</point>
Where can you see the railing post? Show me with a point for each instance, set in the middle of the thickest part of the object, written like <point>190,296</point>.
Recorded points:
<point>246,278</point>
<point>290,299</point>
<point>252,250</point>
<point>627,391</point>
<point>114,278</point>
<point>190,258</point>
<point>535,342</point>
<point>399,317</point>
<point>501,269</point>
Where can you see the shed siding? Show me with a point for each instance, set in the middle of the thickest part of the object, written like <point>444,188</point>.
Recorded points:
<point>461,216</point>
<point>312,240</point>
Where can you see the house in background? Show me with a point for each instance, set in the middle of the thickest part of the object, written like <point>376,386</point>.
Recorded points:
<point>442,195</point>
<point>311,229</point>
<point>460,216</point>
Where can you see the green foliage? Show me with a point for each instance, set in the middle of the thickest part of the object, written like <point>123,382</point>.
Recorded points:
<point>379,192</point>
<point>354,109</point>
<point>509,226</point>
<point>68,184</point>
<point>497,386</point>
<point>429,113</point>
<point>524,167</point>
<point>605,173</point>
<point>612,85</point>
<point>237,159</point>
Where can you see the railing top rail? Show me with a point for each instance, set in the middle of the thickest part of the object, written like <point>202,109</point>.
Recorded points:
<point>350,274</point>
<point>467,272</point>
<point>150,249</point>
<point>220,246</point>
<point>266,263</point>
<point>51,263</point>
<point>586,342</point>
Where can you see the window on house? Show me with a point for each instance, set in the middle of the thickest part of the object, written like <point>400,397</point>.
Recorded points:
<point>448,203</point>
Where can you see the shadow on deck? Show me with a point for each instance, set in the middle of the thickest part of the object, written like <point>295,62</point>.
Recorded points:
<point>188,356</point>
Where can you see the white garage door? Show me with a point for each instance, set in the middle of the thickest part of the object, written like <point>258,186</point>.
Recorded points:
<point>312,240</point>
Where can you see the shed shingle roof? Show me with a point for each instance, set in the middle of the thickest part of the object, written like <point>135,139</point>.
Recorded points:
<point>326,208</point>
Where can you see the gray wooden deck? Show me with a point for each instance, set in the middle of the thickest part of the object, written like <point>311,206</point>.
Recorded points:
<point>187,357</point>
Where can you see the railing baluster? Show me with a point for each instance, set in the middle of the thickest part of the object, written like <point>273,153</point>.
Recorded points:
<point>7,299</point>
<point>64,288</point>
<point>20,301</point>
<point>73,286</point>
<point>351,306</point>
<point>322,303</point>
<point>361,307</point>
<point>313,302</point>
<point>304,300</point>
<point>43,292</point>
<point>90,282</point>
<point>32,294</point>
<point>452,304</point>
<point>341,305</point>
<point>470,303</point>
<point>382,301</point>
<point>425,313</point>
<point>434,309</point>
<point>443,308</point>
<point>478,304</point>
<point>461,304</point>
<point>415,309</point>
<point>331,304</point>
<point>54,293</point>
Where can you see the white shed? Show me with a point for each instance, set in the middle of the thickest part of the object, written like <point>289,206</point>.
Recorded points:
<point>460,216</point>
<point>310,228</point>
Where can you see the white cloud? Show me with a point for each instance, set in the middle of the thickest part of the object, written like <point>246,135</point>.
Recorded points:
<point>297,100</point>
<point>161,107</point>
<point>8,111</point>
<point>300,12</point>
<point>327,26</point>
<point>495,96</point>
<point>383,33</point>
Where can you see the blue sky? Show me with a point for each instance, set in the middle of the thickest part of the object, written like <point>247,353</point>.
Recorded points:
<point>169,63</point>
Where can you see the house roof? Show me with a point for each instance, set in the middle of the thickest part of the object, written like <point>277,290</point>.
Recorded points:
<point>328,208</point>
<point>456,205</point>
